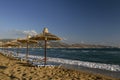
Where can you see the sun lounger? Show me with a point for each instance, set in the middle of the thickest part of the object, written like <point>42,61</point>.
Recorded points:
<point>41,65</point>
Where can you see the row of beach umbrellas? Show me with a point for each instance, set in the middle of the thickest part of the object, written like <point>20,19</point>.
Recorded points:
<point>44,36</point>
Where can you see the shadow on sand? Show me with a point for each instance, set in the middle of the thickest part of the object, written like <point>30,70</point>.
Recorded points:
<point>3,67</point>
<point>24,64</point>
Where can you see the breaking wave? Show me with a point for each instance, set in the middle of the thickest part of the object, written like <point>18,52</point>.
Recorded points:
<point>109,67</point>
<point>103,66</point>
<point>87,64</point>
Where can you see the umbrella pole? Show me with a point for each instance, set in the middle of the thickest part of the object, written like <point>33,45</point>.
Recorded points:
<point>17,50</point>
<point>45,51</point>
<point>2,46</point>
<point>27,51</point>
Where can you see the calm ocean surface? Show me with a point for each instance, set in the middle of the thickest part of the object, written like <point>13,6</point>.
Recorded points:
<point>102,55</point>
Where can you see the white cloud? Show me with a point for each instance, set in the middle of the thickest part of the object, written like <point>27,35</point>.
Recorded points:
<point>64,38</point>
<point>20,33</point>
<point>30,32</point>
<point>82,42</point>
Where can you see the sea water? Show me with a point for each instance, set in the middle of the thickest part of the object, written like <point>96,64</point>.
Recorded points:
<point>99,55</point>
<point>106,59</point>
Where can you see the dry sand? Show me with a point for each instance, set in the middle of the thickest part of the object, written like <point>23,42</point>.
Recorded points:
<point>11,69</point>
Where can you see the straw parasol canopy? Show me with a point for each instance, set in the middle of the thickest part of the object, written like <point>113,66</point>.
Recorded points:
<point>18,45</point>
<point>1,43</point>
<point>27,41</point>
<point>10,44</point>
<point>46,36</point>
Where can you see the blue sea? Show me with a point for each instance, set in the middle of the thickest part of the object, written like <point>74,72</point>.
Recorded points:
<point>99,55</point>
<point>105,59</point>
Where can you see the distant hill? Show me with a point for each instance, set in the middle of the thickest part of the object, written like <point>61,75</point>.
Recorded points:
<point>59,44</point>
<point>89,46</point>
<point>5,40</point>
<point>65,45</point>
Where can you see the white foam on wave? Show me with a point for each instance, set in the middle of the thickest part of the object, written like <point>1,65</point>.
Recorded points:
<point>109,67</point>
<point>87,64</point>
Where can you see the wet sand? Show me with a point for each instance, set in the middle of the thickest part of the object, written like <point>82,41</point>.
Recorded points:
<point>12,69</point>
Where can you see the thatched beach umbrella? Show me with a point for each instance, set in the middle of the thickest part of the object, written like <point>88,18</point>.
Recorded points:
<point>27,41</point>
<point>2,45</point>
<point>18,45</point>
<point>10,44</point>
<point>46,36</point>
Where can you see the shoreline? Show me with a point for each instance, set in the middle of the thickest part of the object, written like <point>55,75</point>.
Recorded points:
<point>112,74</point>
<point>15,70</point>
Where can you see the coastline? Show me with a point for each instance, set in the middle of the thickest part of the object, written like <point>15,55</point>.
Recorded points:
<point>112,74</point>
<point>17,70</point>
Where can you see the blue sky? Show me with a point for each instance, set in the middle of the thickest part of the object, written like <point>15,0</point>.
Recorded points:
<point>86,21</point>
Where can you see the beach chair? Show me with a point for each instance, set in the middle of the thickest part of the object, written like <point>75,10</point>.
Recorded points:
<point>41,64</point>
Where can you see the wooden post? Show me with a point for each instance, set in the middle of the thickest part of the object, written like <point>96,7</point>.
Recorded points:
<point>27,53</point>
<point>17,50</point>
<point>45,50</point>
<point>27,50</point>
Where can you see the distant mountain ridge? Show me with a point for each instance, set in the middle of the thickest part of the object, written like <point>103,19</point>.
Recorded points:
<point>60,44</point>
<point>6,40</point>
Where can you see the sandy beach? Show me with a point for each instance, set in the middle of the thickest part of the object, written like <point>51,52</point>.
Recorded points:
<point>12,69</point>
